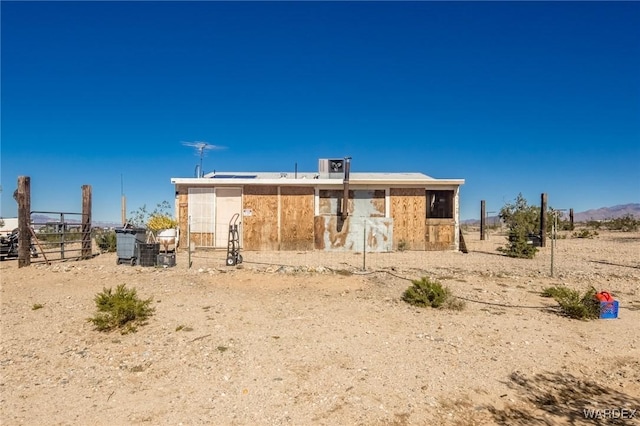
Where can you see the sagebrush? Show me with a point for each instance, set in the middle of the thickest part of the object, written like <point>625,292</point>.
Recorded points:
<point>573,304</point>
<point>427,293</point>
<point>120,309</point>
<point>107,241</point>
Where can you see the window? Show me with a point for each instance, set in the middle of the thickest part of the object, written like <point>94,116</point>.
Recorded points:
<point>201,202</point>
<point>440,204</point>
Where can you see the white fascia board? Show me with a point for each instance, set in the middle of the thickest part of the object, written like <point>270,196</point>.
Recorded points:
<point>317,182</point>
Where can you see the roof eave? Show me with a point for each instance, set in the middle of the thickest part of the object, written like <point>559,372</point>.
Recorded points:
<point>314,182</point>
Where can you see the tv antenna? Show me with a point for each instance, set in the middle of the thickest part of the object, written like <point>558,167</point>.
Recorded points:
<point>201,148</point>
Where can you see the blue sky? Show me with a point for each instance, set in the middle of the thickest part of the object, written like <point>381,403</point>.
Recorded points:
<point>513,97</point>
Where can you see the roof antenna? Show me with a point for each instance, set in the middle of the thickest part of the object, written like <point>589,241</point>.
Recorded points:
<point>201,147</point>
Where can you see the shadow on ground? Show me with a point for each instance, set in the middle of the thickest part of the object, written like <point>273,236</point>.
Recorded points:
<point>561,398</point>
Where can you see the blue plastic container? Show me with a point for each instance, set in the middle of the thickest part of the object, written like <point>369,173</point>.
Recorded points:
<point>609,310</point>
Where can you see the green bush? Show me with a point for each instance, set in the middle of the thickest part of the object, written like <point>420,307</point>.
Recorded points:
<point>626,223</point>
<point>556,291</point>
<point>425,293</point>
<point>573,304</point>
<point>107,241</point>
<point>120,309</point>
<point>585,233</point>
<point>522,220</point>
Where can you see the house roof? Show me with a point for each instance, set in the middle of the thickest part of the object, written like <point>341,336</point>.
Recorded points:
<point>313,179</point>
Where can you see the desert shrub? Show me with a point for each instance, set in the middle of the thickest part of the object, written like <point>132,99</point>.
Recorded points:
<point>120,309</point>
<point>625,223</point>
<point>585,233</point>
<point>595,224</point>
<point>107,241</point>
<point>573,304</point>
<point>402,245</point>
<point>556,291</point>
<point>425,293</point>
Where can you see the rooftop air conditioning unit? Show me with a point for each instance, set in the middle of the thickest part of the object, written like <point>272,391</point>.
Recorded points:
<point>331,168</point>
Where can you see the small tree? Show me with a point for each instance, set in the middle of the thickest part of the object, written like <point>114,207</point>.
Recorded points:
<point>521,220</point>
<point>158,219</point>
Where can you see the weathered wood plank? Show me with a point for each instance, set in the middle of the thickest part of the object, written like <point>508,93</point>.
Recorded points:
<point>296,218</point>
<point>408,210</point>
<point>260,219</point>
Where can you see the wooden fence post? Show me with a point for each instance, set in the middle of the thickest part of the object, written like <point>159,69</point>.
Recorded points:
<point>543,220</point>
<point>571,219</point>
<point>24,220</point>
<point>482,216</point>
<point>86,221</point>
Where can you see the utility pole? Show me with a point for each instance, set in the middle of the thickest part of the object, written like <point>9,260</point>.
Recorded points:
<point>123,202</point>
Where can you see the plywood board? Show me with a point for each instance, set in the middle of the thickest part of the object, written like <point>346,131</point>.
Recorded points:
<point>260,218</point>
<point>329,201</point>
<point>440,234</point>
<point>183,209</point>
<point>408,210</point>
<point>296,218</point>
<point>362,202</point>
<point>202,239</point>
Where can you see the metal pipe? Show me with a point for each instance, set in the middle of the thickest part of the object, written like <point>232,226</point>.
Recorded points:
<point>345,197</point>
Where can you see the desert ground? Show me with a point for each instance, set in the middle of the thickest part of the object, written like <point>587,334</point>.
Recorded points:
<point>318,338</point>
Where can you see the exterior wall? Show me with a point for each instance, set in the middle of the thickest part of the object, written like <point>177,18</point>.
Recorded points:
<point>306,218</point>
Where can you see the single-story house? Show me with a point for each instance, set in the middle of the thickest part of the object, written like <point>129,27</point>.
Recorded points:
<point>331,209</point>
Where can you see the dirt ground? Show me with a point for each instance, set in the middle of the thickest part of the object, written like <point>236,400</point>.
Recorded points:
<point>325,339</point>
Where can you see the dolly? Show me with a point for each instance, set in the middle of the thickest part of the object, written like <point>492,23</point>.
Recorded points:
<point>233,247</point>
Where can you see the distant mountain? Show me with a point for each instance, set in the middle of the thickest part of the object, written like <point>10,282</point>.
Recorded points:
<point>614,212</point>
<point>41,219</point>
<point>602,213</point>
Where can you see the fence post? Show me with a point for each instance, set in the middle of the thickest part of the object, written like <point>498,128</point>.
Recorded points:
<point>482,217</point>
<point>543,219</point>
<point>86,221</point>
<point>23,197</point>
<point>571,219</point>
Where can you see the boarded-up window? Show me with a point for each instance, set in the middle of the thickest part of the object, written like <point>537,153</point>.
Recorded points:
<point>362,202</point>
<point>201,204</point>
<point>440,204</point>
